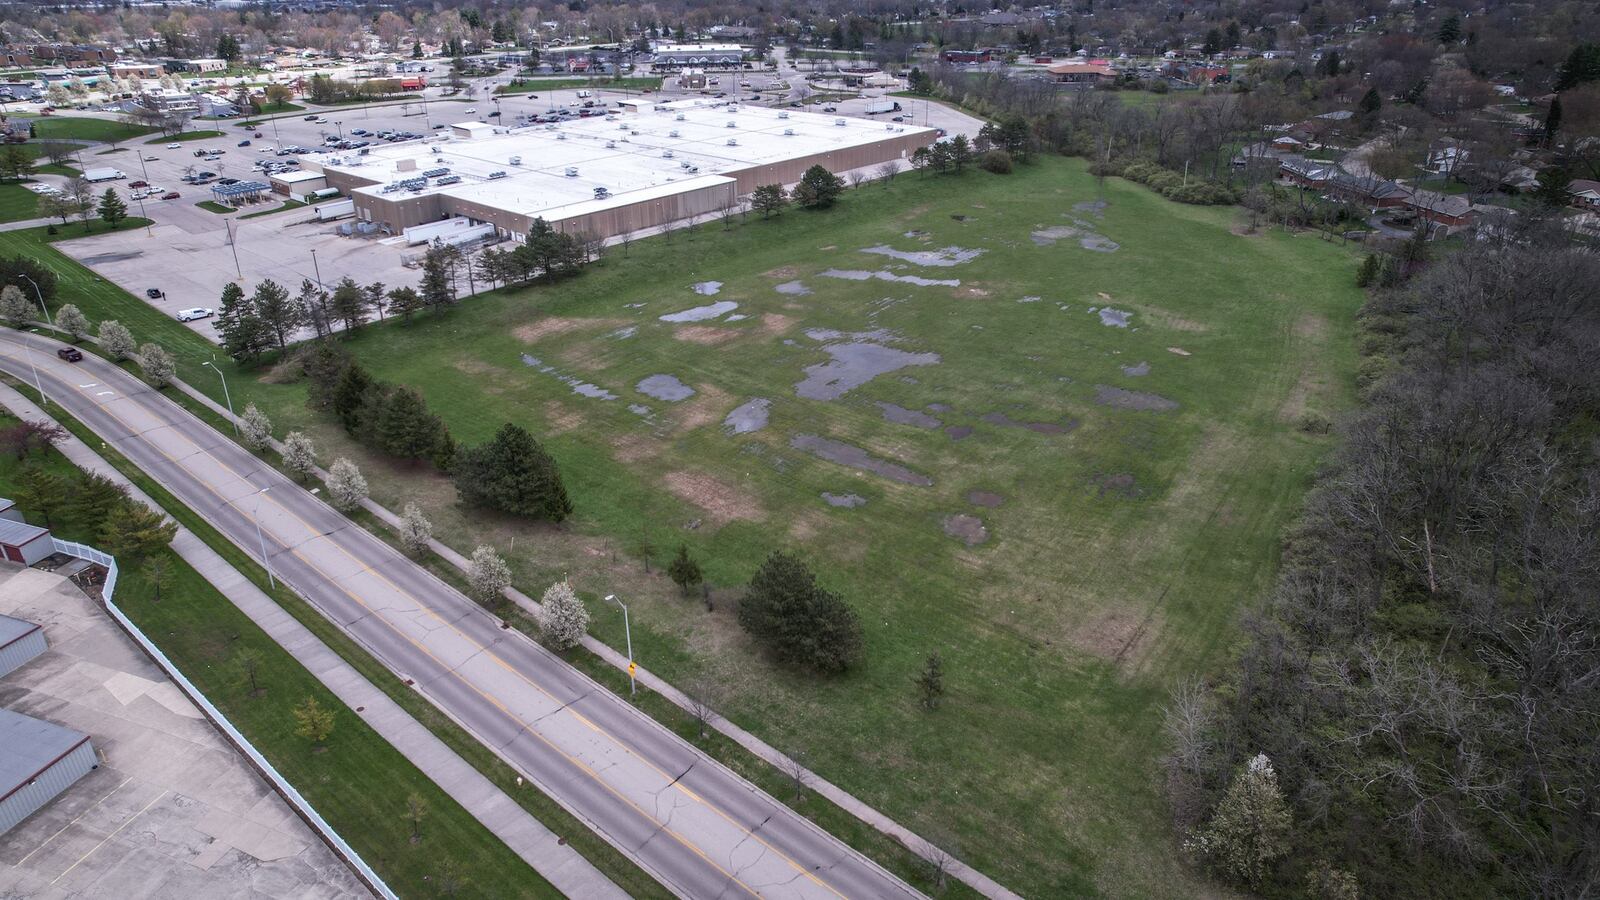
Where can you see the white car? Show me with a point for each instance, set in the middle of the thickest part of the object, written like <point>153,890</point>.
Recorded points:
<point>138,195</point>
<point>174,146</point>
<point>152,159</point>
<point>198,312</point>
<point>472,109</point>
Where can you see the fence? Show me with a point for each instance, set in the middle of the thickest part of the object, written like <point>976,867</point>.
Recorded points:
<point>306,810</point>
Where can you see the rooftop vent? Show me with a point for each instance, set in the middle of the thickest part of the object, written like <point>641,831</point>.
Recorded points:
<point>572,171</point>
<point>672,133</point>
<point>515,160</point>
<point>679,117</point>
<point>435,173</point>
<point>839,122</point>
<point>561,137</point>
<point>733,142</point>
<point>494,175</point>
<point>666,154</point>
<point>732,124</point>
<point>449,179</point>
<point>601,193</point>
<point>686,164</point>
<point>788,132</point>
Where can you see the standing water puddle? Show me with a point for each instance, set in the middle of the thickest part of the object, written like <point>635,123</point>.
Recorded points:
<point>702,313</point>
<point>863,275</point>
<point>578,385</point>
<point>949,256</point>
<point>748,416</point>
<point>664,387</point>
<point>856,458</point>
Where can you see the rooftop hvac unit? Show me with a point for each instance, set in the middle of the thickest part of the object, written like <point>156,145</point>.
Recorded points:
<point>622,126</point>
<point>601,193</point>
<point>732,124</point>
<point>788,132</point>
<point>783,114</point>
<point>572,171</point>
<point>435,173</point>
<point>679,117</point>
<point>666,154</point>
<point>550,127</point>
<point>450,179</point>
<point>635,132</point>
<point>888,127</point>
<point>611,145</point>
<point>686,165</point>
<point>733,142</point>
<point>561,137</point>
<point>694,168</point>
<point>672,133</point>
<point>839,122</point>
<point>515,160</point>
<point>494,175</point>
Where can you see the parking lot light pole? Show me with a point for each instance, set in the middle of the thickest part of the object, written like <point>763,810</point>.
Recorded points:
<point>27,339</point>
<point>40,294</point>
<point>225,395</point>
<point>633,683</point>
<point>234,246</point>
<point>316,268</point>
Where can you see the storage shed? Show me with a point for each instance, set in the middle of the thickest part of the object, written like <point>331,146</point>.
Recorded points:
<point>8,510</point>
<point>38,760</point>
<point>19,642</point>
<point>24,543</point>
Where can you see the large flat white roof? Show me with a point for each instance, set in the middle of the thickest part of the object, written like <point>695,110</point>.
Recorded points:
<point>662,148</point>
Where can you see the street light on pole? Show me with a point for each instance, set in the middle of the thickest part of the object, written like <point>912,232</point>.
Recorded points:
<point>40,294</point>
<point>234,246</point>
<point>27,340</point>
<point>316,268</point>
<point>212,362</point>
<point>633,683</point>
<point>256,515</point>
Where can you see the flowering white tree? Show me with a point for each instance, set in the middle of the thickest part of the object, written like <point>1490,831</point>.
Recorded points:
<point>116,340</point>
<point>255,428</point>
<point>1250,829</point>
<point>346,486</point>
<point>564,620</point>
<point>415,529</point>
<point>158,365</point>
<point>488,575</point>
<point>14,306</point>
<point>299,455</point>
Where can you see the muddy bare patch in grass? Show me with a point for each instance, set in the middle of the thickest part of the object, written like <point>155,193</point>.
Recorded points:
<point>843,501</point>
<point>722,502</point>
<point>793,289</point>
<point>636,446</point>
<point>985,499</point>
<point>1142,401</point>
<point>701,313</point>
<point>782,272</point>
<point>705,335</point>
<point>711,406</point>
<point>857,458</point>
<point>1045,237</point>
<point>560,418</point>
<point>899,415</point>
<point>1005,421</point>
<point>855,363</point>
<point>1113,636</point>
<point>664,387</point>
<point>547,326</point>
<point>748,416</point>
<point>967,529</point>
<point>1119,484</point>
<point>958,432</point>
<point>942,258</point>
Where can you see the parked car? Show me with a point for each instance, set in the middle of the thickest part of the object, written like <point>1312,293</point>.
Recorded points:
<point>152,159</point>
<point>257,134</point>
<point>138,184</point>
<point>244,143</point>
<point>471,109</point>
<point>170,195</point>
<point>311,118</point>
<point>153,293</point>
<point>70,354</point>
<point>198,312</point>
<point>174,146</point>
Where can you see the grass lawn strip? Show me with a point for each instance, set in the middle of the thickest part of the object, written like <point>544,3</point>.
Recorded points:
<point>204,135</point>
<point>360,784</point>
<point>17,203</point>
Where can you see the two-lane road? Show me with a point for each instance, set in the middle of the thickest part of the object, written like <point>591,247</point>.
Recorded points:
<point>698,828</point>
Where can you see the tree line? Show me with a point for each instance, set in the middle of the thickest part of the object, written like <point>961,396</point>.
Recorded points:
<point>1414,711</point>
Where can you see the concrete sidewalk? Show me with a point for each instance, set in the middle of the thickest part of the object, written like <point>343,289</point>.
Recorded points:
<point>543,850</point>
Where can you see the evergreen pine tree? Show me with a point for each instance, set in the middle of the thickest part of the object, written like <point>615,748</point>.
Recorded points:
<point>514,474</point>
<point>797,620</point>
<point>111,209</point>
<point>684,571</point>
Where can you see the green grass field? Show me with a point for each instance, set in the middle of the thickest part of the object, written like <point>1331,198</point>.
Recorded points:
<point>1119,554</point>
<point>17,203</point>
<point>360,784</point>
<point>81,128</point>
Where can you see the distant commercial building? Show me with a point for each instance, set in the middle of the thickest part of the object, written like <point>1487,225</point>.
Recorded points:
<point>965,57</point>
<point>136,70</point>
<point>606,175</point>
<point>162,100</point>
<point>204,65</point>
<point>1081,73</point>
<point>38,760</point>
<point>705,56</point>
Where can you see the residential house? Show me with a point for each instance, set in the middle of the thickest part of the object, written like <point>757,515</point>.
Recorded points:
<point>1367,190</point>
<point>1450,210</point>
<point>16,58</point>
<point>1585,194</point>
<point>1306,173</point>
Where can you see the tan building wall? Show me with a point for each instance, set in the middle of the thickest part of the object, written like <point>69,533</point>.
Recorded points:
<point>789,171</point>
<point>651,213</point>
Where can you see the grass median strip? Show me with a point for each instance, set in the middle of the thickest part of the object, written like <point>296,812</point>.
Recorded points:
<point>361,784</point>
<point>606,858</point>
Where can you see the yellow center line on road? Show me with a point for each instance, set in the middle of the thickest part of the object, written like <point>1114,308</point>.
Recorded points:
<point>525,726</point>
